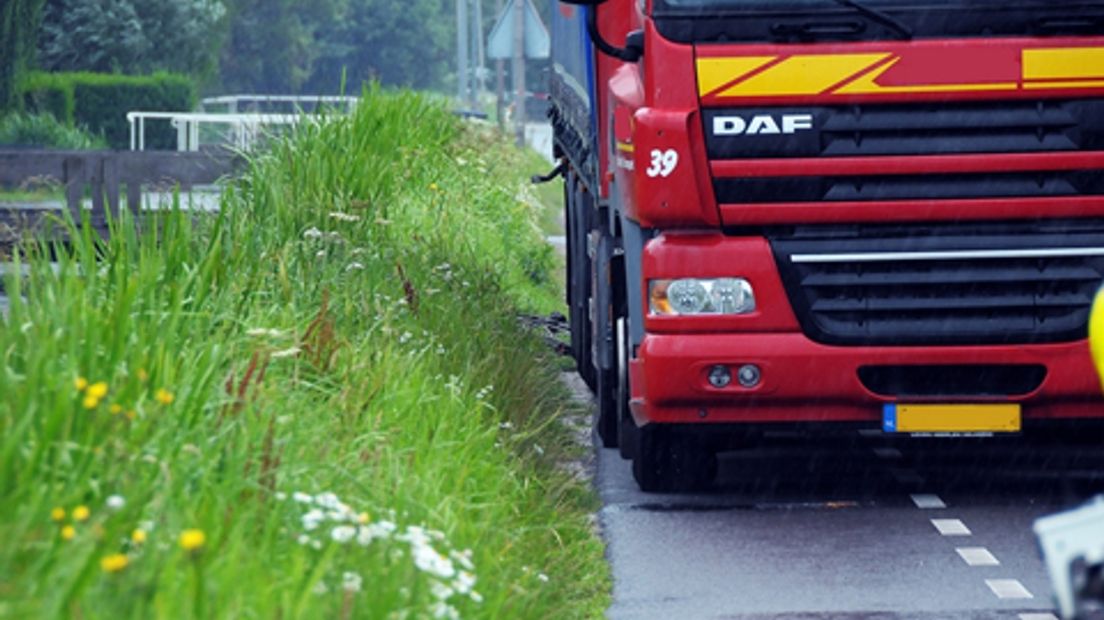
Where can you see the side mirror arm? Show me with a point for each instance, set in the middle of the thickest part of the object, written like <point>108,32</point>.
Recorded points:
<point>634,43</point>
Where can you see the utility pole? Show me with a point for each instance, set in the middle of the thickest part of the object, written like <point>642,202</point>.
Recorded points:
<point>479,76</point>
<point>462,43</point>
<point>519,70</point>
<point>500,81</point>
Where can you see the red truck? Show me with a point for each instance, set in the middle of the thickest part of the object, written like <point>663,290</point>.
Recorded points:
<point>829,214</point>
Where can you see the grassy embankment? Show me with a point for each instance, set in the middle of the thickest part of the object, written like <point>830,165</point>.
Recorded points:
<point>317,404</point>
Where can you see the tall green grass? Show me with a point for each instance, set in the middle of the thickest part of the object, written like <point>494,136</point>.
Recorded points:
<point>44,131</point>
<point>325,386</point>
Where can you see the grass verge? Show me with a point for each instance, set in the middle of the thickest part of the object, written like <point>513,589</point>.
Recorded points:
<point>318,403</point>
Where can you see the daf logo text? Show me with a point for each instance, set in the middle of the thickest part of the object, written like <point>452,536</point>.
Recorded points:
<point>761,125</point>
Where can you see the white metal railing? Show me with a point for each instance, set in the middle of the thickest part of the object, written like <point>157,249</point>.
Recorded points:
<point>234,103</point>
<point>245,128</point>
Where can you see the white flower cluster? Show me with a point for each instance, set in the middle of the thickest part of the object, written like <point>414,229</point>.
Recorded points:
<point>265,332</point>
<point>454,386</point>
<point>451,573</point>
<point>313,233</point>
<point>484,392</point>
<point>444,270</point>
<point>344,217</point>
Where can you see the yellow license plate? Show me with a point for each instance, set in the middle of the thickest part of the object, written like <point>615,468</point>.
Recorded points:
<point>951,418</point>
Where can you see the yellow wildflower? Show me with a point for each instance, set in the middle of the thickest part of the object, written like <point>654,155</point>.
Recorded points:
<point>114,563</point>
<point>433,187</point>
<point>164,396</point>
<point>192,540</point>
<point>81,513</point>
<point>138,536</point>
<point>363,518</point>
<point>115,408</point>
<point>58,514</point>
<point>142,375</point>
<point>98,389</point>
<point>90,402</point>
<point>68,532</point>
<point>80,383</point>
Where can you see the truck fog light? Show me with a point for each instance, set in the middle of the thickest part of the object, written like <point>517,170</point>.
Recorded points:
<point>749,375</point>
<point>720,376</point>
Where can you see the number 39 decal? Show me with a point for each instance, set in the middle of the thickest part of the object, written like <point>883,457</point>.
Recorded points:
<point>663,163</point>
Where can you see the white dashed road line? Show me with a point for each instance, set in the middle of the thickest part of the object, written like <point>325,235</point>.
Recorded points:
<point>1004,589</point>
<point>977,556</point>
<point>927,502</point>
<point>1008,588</point>
<point>951,527</point>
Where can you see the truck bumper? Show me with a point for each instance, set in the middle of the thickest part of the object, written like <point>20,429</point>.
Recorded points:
<point>806,382</point>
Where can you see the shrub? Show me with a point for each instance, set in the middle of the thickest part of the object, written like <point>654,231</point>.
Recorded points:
<point>101,102</point>
<point>43,130</point>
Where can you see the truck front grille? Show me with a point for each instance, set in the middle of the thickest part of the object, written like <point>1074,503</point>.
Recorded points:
<point>950,284</point>
<point>909,187</point>
<point>916,129</point>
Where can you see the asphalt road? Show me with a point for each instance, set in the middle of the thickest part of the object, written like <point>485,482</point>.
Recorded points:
<point>852,527</point>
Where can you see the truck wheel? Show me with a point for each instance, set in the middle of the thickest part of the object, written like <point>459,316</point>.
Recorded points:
<point>669,463</point>
<point>626,426</point>
<point>582,275</point>
<point>605,416</point>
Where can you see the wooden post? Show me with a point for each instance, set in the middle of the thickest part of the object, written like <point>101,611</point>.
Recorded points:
<point>74,179</point>
<point>95,169</point>
<point>109,173</point>
<point>134,196</point>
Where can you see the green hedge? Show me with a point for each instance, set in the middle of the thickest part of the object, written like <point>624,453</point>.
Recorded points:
<point>100,102</point>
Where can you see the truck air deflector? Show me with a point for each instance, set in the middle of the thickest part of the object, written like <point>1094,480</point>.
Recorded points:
<point>949,284</point>
<point>827,21</point>
<point>898,71</point>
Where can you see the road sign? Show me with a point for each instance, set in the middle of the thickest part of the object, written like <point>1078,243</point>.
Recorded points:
<point>500,44</point>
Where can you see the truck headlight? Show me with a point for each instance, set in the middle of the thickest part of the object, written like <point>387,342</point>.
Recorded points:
<point>694,296</point>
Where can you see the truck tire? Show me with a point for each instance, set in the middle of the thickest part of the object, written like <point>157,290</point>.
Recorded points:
<point>578,277</point>
<point>666,462</point>
<point>606,411</point>
<point>626,426</point>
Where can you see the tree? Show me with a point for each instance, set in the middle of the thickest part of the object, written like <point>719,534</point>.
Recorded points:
<point>18,24</point>
<point>131,36</point>
<point>273,45</point>
<point>396,42</point>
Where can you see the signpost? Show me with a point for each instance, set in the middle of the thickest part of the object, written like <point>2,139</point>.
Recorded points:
<point>519,34</point>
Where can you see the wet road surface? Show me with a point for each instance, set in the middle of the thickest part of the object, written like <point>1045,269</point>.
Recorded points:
<point>851,527</point>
